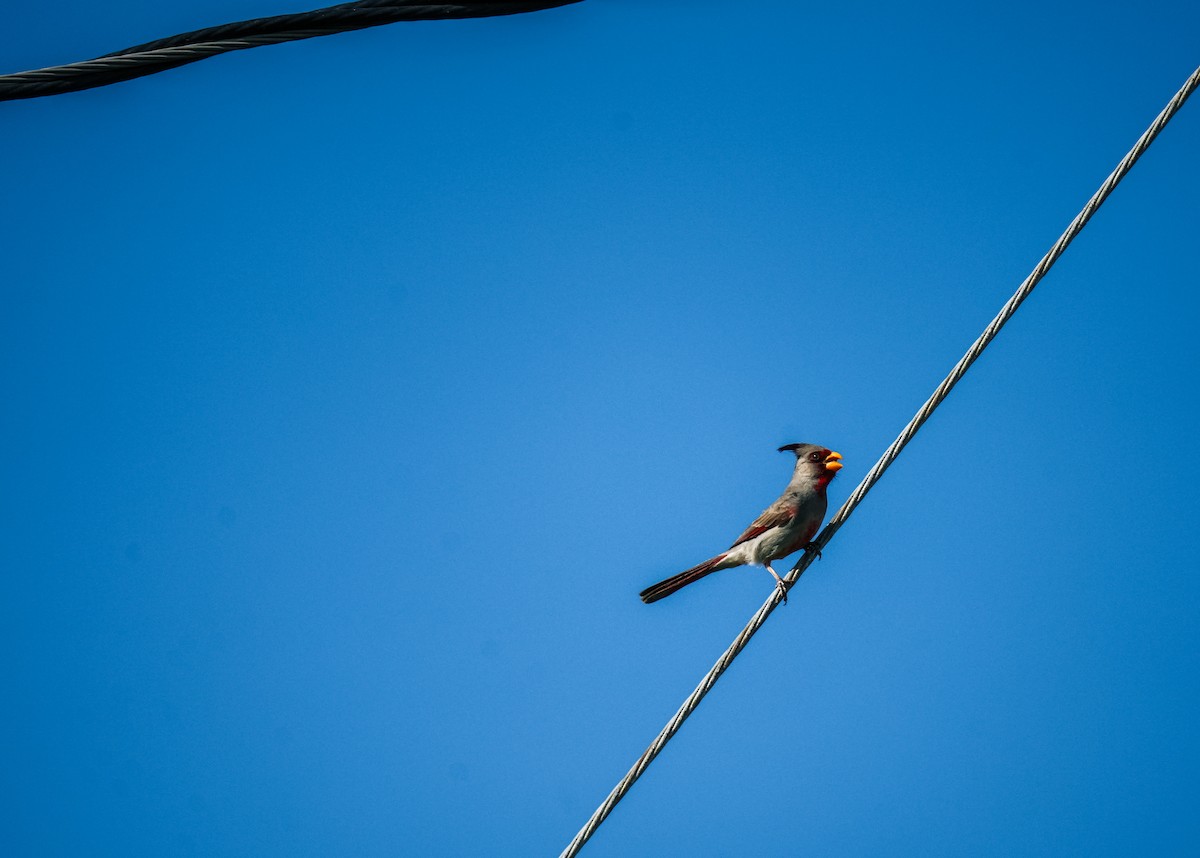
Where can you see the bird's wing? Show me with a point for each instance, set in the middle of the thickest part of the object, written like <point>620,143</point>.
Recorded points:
<point>776,515</point>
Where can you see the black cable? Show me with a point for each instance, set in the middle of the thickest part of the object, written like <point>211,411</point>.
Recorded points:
<point>174,51</point>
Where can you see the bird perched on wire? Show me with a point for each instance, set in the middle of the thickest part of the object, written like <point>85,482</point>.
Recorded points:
<point>785,526</point>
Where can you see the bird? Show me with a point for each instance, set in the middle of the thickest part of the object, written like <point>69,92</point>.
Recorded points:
<point>785,526</point>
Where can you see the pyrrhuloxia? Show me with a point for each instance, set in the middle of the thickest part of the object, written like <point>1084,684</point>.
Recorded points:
<point>785,526</point>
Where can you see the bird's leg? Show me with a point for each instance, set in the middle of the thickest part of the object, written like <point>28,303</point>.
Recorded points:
<point>779,585</point>
<point>812,546</point>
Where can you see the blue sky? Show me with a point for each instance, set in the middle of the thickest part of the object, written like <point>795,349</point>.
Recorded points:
<point>355,387</point>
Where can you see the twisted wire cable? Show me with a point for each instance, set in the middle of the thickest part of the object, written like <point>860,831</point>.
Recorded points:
<point>175,51</point>
<point>889,456</point>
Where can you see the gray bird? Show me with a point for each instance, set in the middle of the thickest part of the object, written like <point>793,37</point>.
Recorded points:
<point>785,526</point>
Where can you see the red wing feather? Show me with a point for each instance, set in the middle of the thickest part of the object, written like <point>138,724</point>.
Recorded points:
<point>772,516</point>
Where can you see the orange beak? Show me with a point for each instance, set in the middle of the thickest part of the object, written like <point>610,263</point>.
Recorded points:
<point>833,462</point>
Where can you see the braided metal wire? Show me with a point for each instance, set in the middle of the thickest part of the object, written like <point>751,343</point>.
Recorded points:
<point>175,51</point>
<point>885,461</point>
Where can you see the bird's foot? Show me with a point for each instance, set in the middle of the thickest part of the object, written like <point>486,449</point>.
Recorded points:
<point>779,585</point>
<point>812,546</point>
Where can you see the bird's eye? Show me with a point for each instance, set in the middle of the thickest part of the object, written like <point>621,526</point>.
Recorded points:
<point>814,457</point>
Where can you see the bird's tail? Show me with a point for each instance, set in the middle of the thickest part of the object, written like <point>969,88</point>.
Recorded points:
<point>665,588</point>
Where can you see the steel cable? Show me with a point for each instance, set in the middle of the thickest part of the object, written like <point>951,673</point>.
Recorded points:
<point>885,461</point>
<point>175,51</point>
